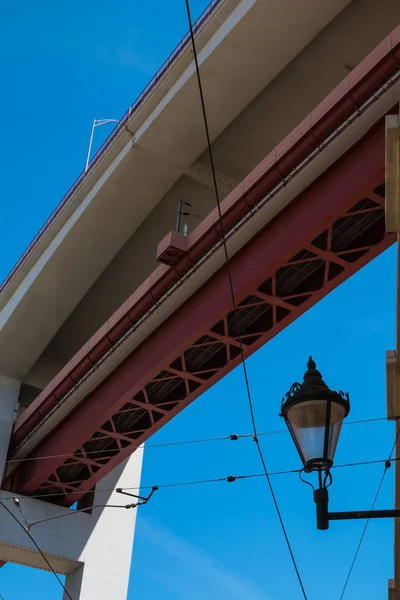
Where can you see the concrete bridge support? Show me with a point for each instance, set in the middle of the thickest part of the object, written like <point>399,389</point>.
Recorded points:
<point>105,560</point>
<point>92,548</point>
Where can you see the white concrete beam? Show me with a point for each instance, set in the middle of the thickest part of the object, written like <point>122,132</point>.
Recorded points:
<point>92,549</point>
<point>243,47</point>
<point>198,171</point>
<point>106,557</point>
<point>62,540</point>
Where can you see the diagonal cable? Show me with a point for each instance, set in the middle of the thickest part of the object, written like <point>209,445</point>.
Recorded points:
<point>229,271</point>
<point>28,533</point>
<point>353,562</point>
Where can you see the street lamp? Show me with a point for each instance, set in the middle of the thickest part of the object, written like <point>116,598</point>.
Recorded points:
<point>96,123</point>
<point>314,415</point>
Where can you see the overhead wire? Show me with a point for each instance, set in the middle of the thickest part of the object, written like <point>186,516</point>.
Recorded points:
<point>373,420</point>
<point>255,435</point>
<point>128,449</point>
<point>229,272</point>
<point>229,478</point>
<point>28,533</point>
<point>161,486</point>
<point>232,437</point>
<point>353,562</point>
<point>17,503</point>
<point>140,502</point>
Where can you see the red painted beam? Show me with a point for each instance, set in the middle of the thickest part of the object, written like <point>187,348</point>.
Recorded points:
<point>332,218</point>
<point>351,95</point>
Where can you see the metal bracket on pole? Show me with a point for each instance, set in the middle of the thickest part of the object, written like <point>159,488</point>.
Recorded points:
<point>364,514</point>
<point>324,516</point>
<point>143,500</point>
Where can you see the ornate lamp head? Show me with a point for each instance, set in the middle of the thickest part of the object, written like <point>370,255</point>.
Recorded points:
<point>314,415</point>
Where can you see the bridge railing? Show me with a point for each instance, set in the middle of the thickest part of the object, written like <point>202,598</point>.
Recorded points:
<point>148,90</point>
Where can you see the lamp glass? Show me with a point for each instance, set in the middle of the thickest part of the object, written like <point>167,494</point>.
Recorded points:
<point>308,421</point>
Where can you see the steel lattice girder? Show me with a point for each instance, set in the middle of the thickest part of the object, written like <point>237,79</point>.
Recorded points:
<point>324,236</point>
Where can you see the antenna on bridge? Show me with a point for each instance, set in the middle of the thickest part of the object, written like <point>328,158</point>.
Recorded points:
<point>181,214</point>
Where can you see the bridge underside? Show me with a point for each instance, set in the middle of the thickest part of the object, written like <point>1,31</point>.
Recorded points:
<point>336,226</point>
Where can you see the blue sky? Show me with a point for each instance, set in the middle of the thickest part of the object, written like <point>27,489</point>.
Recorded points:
<point>63,64</point>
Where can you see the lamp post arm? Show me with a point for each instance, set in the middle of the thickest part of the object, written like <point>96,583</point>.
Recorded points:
<point>104,121</point>
<point>364,514</point>
<point>321,500</point>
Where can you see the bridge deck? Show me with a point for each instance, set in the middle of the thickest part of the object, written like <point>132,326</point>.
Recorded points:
<point>314,240</point>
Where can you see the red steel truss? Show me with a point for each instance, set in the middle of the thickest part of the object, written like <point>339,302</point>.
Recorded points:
<point>355,95</point>
<point>323,237</point>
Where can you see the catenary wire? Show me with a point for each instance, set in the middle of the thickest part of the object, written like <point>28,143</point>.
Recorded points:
<point>353,562</point>
<point>230,479</point>
<point>81,510</point>
<point>229,273</point>
<point>128,449</point>
<point>28,533</point>
<point>204,481</point>
<point>255,435</point>
<point>161,486</point>
<point>18,505</point>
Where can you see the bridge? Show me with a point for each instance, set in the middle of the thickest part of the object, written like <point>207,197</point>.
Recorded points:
<point>121,319</point>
